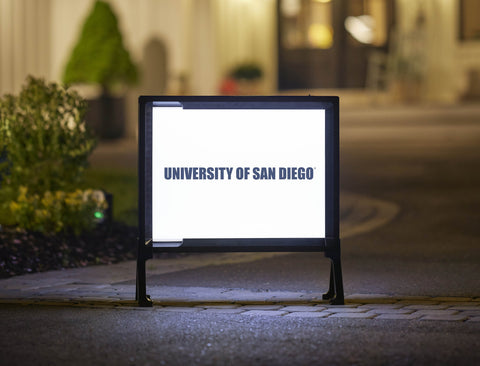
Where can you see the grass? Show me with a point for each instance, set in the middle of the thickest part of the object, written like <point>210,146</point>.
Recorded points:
<point>122,183</point>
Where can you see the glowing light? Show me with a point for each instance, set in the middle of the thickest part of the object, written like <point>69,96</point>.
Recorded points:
<point>237,207</point>
<point>320,36</point>
<point>291,8</point>
<point>361,28</point>
<point>99,215</point>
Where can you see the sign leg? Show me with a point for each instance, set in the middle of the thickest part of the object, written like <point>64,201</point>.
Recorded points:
<point>330,294</point>
<point>141,290</point>
<point>336,270</point>
<point>335,290</point>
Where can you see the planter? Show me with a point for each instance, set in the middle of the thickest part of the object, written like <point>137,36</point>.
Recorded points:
<point>249,87</point>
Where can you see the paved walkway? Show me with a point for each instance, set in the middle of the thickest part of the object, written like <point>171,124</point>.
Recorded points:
<point>105,286</point>
<point>112,286</point>
<point>458,309</point>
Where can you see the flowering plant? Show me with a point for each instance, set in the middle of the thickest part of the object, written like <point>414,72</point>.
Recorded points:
<point>57,211</point>
<point>44,149</point>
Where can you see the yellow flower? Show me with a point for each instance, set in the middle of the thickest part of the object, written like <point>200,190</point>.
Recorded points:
<point>14,206</point>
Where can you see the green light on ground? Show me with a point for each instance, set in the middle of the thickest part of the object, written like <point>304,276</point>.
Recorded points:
<point>99,215</point>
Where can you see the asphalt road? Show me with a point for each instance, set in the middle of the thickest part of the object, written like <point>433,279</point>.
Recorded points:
<point>60,336</point>
<point>427,163</point>
<point>424,161</point>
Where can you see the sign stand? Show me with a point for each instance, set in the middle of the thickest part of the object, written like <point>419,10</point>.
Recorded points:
<point>311,220</point>
<point>141,286</point>
<point>335,288</point>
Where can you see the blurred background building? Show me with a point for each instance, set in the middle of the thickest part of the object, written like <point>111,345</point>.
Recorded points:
<point>378,50</point>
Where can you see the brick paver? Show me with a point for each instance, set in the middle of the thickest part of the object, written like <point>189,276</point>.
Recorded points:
<point>455,317</point>
<point>408,302</point>
<point>390,311</point>
<point>353,315</point>
<point>467,308</point>
<point>471,314</point>
<point>451,298</point>
<point>436,312</point>
<point>182,309</point>
<point>378,307</point>
<point>224,311</point>
<point>264,313</point>
<point>398,316</point>
<point>262,307</point>
<point>218,306</point>
<point>461,303</point>
<point>345,310</point>
<point>309,314</point>
<point>426,307</point>
<point>310,308</point>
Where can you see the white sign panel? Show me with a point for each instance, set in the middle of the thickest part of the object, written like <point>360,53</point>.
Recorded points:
<point>237,173</point>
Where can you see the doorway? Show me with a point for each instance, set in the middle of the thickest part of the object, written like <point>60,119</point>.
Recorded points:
<point>327,43</point>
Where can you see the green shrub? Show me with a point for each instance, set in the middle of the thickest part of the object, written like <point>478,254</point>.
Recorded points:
<point>247,71</point>
<point>44,138</point>
<point>57,211</point>
<point>99,56</point>
<point>44,148</point>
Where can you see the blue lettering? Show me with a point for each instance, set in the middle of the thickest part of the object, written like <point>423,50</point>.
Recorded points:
<point>309,173</point>
<point>168,173</point>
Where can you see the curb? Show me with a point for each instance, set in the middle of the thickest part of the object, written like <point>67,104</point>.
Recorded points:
<point>380,307</point>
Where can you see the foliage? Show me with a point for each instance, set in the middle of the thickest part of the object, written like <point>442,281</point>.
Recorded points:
<point>44,138</point>
<point>44,146</point>
<point>24,251</point>
<point>57,211</point>
<point>100,56</point>
<point>247,71</point>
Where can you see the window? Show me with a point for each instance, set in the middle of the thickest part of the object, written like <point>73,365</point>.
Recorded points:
<point>470,20</point>
<point>306,24</point>
<point>367,22</point>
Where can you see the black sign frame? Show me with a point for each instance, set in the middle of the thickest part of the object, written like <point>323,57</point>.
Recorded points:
<point>330,245</point>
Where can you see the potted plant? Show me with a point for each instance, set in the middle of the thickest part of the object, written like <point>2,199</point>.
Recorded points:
<point>243,79</point>
<point>100,58</point>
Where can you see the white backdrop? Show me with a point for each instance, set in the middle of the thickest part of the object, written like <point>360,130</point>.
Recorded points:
<point>238,208</point>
